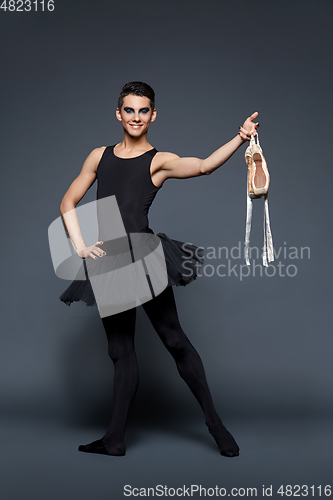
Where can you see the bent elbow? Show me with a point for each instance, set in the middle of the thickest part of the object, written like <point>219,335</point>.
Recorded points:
<point>62,207</point>
<point>203,168</point>
<point>66,206</point>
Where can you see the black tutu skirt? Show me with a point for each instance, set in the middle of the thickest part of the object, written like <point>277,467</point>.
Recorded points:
<point>175,252</point>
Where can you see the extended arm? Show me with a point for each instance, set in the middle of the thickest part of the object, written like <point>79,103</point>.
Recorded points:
<point>183,168</point>
<point>74,194</point>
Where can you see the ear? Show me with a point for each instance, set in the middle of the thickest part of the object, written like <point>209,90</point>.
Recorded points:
<point>153,115</point>
<point>118,115</point>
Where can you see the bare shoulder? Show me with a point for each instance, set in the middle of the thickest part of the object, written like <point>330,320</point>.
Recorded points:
<point>93,159</point>
<point>162,158</point>
<point>97,153</point>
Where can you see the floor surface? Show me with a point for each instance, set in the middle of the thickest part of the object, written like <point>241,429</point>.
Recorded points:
<point>40,461</point>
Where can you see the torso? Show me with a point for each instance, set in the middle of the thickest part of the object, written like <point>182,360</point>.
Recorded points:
<point>134,180</point>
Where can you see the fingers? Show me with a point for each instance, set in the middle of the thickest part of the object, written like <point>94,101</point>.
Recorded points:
<point>98,251</point>
<point>245,134</point>
<point>242,133</point>
<point>95,251</point>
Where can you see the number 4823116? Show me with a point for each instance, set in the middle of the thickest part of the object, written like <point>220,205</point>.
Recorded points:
<point>27,5</point>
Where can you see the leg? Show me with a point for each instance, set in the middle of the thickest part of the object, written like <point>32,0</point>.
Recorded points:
<point>120,329</point>
<point>162,312</point>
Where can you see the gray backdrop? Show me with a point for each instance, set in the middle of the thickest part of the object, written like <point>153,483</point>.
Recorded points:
<point>265,342</point>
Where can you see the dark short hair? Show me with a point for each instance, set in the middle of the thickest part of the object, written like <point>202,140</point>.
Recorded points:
<point>137,88</point>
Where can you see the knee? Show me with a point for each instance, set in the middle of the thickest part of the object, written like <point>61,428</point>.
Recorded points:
<point>117,352</point>
<point>177,344</point>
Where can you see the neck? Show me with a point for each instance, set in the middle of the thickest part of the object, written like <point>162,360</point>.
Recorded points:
<point>132,144</point>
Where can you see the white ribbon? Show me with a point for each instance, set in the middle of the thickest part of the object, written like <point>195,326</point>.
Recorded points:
<point>268,252</point>
<point>248,227</point>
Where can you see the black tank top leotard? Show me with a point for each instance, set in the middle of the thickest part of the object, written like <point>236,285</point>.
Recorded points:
<point>129,179</point>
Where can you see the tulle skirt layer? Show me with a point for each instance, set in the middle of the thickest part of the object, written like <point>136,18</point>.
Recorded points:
<point>183,263</point>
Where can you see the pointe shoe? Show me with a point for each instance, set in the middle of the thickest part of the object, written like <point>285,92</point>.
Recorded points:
<point>258,177</point>
<point>258,181</point>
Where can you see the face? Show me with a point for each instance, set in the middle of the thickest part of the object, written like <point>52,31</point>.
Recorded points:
<point>136,115</point>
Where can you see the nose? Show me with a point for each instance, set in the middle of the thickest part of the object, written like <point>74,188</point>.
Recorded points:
<point>136,116</point>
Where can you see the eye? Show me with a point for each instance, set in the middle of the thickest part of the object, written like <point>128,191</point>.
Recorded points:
<point>128,110</point>
<point>144,110</point>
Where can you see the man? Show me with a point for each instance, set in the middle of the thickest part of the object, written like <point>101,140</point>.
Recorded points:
<point>135,190</point>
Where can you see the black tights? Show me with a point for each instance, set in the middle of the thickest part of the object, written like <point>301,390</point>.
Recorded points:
<point>120,329</point>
